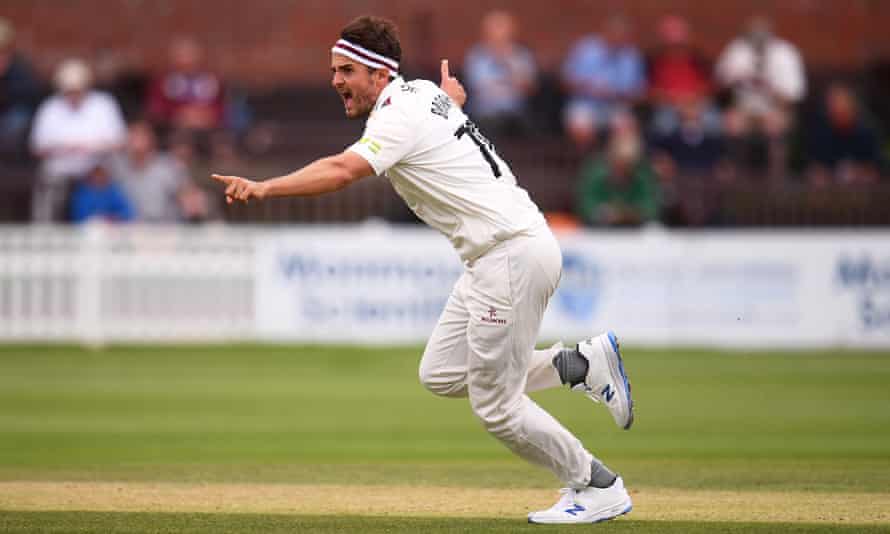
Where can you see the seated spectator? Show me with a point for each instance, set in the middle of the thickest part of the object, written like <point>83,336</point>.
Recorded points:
<point>187,97</point>
<point>678,75</point>
<point>500,76</point>
<point>766,77</point>
<point>19,92</point>
<point>619,188</point>
<point>156,183</point>
<point>842,146</point>
<point>692,147</point>
<point>72,130</point>
<point>602,75</point>
<point>99,197</point>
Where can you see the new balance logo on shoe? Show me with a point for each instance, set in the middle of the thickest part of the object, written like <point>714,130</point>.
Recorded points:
<point>608,393</point>
<point>575,509</point>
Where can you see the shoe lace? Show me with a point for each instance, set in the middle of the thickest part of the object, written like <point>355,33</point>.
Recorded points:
<point>587,390</point>
<point>566,499</point>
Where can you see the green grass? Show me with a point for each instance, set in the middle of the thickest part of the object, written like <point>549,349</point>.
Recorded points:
<point>304,414</point>
<point>144,523</point>
<point>815,421</point>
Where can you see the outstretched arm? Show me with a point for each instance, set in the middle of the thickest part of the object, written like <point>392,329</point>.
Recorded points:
<point>324,175</point>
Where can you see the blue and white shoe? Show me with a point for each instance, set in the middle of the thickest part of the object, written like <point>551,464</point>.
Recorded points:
<point>588,505</point>
<point>606,380</point>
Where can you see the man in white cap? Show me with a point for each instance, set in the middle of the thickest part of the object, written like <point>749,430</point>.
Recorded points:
<point>72,130</point>
<point>483,348</point>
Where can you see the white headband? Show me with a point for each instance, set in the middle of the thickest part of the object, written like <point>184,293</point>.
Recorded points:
<point>365,56</point>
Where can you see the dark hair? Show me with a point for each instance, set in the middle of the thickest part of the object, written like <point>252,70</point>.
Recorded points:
<point>377,34</point>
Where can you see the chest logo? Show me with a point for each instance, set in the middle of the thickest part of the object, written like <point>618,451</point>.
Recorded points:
<point>441,106</point>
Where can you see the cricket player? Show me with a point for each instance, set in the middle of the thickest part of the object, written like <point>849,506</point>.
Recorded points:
<point>483,346</point>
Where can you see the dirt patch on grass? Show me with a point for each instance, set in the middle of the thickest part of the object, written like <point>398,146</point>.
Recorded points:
<point>651,504</point>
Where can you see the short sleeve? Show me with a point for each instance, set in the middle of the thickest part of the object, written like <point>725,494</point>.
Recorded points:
<point>41,132</point>
<point>117,124</point>
<point>788,75</point>
<point>388,138</point>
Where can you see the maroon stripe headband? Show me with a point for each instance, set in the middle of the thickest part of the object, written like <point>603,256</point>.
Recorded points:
<point>364,56</point>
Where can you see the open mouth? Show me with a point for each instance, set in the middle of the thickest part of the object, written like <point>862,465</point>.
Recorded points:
<point>347,99</point>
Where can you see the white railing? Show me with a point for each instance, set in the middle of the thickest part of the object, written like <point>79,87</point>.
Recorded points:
<point>99,282</point>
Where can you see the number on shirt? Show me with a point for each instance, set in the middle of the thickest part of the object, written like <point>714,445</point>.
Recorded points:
<point>484,144</point>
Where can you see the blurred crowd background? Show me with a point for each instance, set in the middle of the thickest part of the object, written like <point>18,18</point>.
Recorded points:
<point>736,113</point>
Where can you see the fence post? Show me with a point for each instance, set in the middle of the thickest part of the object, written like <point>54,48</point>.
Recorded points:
<point>92,237</point>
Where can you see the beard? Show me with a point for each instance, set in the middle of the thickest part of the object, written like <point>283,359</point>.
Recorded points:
<point>360,106</point>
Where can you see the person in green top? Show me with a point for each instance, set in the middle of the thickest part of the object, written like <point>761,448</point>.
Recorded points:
<point>619,188</point>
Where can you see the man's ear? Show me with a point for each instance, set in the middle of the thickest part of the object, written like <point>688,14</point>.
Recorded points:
<point>383,75</point>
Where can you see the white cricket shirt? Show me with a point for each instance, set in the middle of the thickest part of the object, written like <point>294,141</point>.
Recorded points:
<point>95,125</point>
<point>445,170</point>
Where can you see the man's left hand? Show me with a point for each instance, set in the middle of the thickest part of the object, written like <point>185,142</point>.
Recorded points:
<point>452,86</point>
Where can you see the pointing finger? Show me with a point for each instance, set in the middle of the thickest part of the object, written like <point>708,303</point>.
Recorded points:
<point>223,179</point>
<point>445,72</point>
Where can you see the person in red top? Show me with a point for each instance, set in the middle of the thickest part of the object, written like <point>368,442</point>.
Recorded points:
<point>676,70</point>
<point>187,97</point>
<point>679,79</point>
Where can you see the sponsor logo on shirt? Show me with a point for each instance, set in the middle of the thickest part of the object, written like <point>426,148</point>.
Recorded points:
<point>492,317</point>
<point>373,146</point>
<point>441,106</point>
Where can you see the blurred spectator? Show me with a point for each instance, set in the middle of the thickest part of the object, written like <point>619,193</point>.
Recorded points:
<point>678,75</point>
<point>692,152</point>
<point>693,147</point>
<point>766,77</point>
<point>500,76</point>
<point>602,75</point>
<point>99,197</point>
<point>19,92</point>
<point>156,183</point>
<point>72,130</point>
<point>842,145</point>
<point>187,97</point>
<point>619,188</point>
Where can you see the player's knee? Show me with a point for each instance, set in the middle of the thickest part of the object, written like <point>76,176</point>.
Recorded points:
<point>442,383</point>
<point>499,422</point>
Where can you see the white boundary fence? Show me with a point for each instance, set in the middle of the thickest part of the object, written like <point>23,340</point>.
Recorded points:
<point>104,283</point>
<point>374,283</point>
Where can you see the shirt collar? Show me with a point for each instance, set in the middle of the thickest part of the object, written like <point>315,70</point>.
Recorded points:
<point>385,93</point>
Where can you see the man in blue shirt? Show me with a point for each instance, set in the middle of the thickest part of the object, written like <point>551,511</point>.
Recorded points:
<point>98,196</point>
<point>603,74</point>
<point>501,75</point>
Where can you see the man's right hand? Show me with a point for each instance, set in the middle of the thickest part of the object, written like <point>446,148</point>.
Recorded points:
<point>238,188</point>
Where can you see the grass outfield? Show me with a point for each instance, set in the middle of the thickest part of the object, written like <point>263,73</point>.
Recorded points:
<point>175,439</point>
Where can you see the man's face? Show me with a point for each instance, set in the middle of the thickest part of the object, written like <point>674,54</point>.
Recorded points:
<point>841,106</point>
<point>356,84</point>
<point>141,140</point>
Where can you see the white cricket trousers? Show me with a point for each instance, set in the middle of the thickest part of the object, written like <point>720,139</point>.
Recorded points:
<point>483,347</point>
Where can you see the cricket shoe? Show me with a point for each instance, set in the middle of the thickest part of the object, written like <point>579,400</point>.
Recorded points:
<point>606,380</point>
<point>588,505</point>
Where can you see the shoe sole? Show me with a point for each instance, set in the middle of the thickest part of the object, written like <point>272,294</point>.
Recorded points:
<point>624,511</point>
<point>616,368</point>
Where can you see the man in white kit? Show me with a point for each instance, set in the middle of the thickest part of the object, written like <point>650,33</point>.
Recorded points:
<point>483,346</point>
